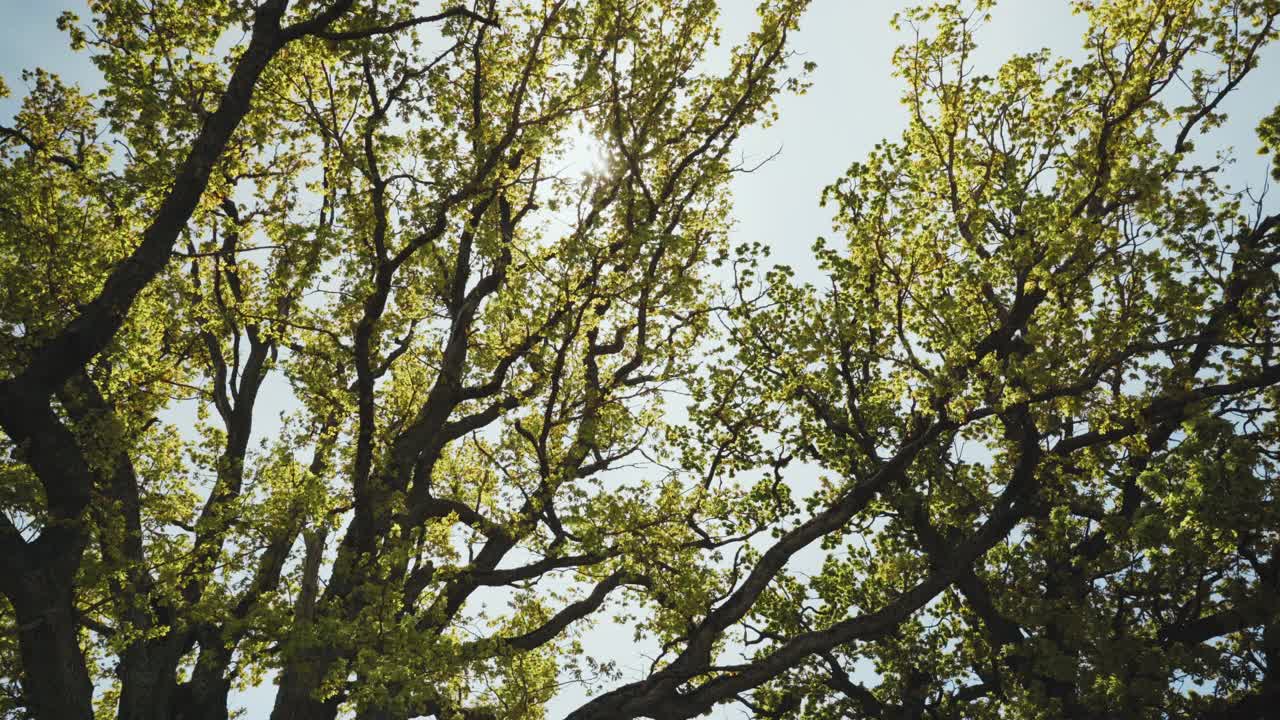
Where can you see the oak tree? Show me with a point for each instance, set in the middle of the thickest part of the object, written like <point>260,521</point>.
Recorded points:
<point>325,367</point>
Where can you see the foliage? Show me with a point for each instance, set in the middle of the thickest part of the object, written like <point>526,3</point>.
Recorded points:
<point>1038,380</point>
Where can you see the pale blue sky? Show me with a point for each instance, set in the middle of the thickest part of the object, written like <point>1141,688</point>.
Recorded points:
<point>853,102</point>
<point>852,105</point>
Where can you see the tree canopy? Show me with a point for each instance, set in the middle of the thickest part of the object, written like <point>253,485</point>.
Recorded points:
<point>1034,391</point>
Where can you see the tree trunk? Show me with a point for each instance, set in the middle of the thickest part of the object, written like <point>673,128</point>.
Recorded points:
<point>148,680</point>
<point>205,696</point>
<point>303,674</point>
<point>296,698</point>
<point>55,680</point>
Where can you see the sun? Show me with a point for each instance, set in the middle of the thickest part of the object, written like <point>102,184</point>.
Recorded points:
<point>585,154</point>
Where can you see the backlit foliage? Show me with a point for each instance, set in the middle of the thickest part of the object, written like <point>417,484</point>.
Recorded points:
<point>332,363</point>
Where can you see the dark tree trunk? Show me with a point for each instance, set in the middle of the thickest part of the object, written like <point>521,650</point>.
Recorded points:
<point>303,673</point>
<point>205,696</point>
<point>147,680</point>
<point>55,680</point>
<point>296,698</point>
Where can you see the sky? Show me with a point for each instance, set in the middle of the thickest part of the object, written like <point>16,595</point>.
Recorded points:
<point>853,103</point>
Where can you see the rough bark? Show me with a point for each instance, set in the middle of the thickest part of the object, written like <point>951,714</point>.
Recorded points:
<point>55,682</point>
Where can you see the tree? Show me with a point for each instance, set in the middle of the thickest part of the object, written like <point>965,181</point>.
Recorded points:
<point>1038,380</point>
